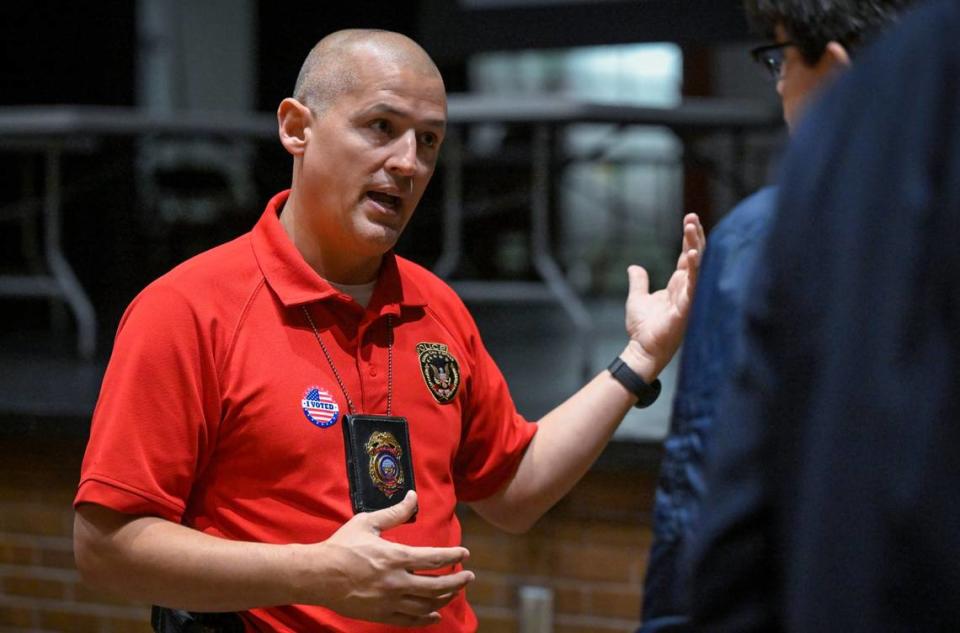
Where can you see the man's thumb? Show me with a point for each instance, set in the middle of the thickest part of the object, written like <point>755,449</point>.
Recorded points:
<point>396,514</point>
<point>639,280</point>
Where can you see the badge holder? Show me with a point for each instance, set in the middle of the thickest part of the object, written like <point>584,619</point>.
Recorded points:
<point>379,462</point>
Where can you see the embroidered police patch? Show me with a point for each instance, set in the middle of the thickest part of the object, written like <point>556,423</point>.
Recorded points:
<point>440,371</point>
<point>320,407</point>
<point>385,469</point>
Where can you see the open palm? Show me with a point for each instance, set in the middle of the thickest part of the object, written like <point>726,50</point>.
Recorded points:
<point>656,321</point>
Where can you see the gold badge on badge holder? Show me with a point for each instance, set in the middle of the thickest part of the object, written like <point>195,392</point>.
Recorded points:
<point>385,468</point>
<point>440,371</point>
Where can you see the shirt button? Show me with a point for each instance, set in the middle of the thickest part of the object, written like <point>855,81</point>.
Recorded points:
<point>373,371</point>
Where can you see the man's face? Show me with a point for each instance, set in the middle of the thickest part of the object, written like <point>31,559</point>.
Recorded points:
<point>799,81</point>
<point>370,155</point>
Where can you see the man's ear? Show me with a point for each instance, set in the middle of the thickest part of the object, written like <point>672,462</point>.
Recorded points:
<point>294,119</point>
<point>835,57</point>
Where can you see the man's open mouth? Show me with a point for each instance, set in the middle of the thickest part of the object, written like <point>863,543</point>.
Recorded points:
<point>384,199</point>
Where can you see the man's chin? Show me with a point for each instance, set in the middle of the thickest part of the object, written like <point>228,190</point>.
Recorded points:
<point>379,239</point>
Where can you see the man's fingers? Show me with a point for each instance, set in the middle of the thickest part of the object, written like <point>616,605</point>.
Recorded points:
<point>693,235</point>
<point>694,241</point>
<point>416,605</point>
<point>421,605</point>
<point>424,558</point>
<point>690,236</point>
<point>693,270</point>
<point>394,515</point>
<point>403,619</point>
<point>639,280</point>
<point>436,587</point>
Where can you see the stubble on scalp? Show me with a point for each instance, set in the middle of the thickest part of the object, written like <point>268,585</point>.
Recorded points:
<point>330,69</point>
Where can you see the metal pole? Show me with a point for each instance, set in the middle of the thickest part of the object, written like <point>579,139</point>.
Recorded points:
<point>543,259</point>
<point>452,156</point>
<point>69,286</point>
<point>536,609</point>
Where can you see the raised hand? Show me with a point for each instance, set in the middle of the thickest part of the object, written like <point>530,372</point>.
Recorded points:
<point>375,579</point>
<point>656,321</point>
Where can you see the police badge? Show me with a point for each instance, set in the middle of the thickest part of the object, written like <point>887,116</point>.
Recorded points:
<point>385,470</point>
<point>379,462</point>
<point>440,371</point>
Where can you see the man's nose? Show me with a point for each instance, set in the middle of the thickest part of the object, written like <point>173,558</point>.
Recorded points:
<point>403,154</point>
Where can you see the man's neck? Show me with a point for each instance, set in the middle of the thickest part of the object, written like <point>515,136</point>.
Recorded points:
<point>329,263</point>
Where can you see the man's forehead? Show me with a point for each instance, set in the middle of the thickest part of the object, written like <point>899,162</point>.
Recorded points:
<point>394,89</point>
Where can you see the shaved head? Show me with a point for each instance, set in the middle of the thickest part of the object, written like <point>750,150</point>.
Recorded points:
<point>330,68</point>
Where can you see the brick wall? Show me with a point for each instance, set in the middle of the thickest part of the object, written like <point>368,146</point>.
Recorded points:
<point>590,550</point>
<point>40,588</point>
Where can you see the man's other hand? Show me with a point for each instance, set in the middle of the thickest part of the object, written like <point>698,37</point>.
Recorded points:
<point>376,579</point>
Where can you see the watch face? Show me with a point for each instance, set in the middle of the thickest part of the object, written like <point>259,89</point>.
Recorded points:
<point>651,394</point>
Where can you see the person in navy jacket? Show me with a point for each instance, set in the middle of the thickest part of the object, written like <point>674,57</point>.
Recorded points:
<point>833,501</point>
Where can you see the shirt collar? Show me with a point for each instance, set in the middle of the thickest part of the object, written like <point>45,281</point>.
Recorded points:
<point>295,283</point>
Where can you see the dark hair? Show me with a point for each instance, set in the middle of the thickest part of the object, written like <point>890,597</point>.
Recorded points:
<point>812,24</point>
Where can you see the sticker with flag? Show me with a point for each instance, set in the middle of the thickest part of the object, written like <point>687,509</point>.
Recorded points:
<point>320,407</point>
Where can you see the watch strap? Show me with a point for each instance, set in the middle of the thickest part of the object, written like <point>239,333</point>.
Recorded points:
<point>646,394</point>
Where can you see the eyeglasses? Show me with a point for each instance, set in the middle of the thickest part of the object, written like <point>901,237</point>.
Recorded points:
<point>771,58</point>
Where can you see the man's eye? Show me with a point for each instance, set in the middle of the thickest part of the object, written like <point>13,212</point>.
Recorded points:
<point>428,139</point>
<point>381,125</point>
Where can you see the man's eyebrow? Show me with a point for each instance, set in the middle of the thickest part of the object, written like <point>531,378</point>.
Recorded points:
<point>384,108</point>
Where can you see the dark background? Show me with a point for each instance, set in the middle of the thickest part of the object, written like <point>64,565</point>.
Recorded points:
<point>58,52</point>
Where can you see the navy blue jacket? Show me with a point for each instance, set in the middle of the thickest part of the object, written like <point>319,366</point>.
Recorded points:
<point>709,346</point>
<point>834,500</point>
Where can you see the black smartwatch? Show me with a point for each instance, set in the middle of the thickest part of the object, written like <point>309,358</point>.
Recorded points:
<point>646,394</point>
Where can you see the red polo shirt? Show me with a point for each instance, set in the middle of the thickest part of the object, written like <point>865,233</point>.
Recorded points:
<point>209,415</point>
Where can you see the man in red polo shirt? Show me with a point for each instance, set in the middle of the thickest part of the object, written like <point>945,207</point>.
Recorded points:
<point>216,477</point>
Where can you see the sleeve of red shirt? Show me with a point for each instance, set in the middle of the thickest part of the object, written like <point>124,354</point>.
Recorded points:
<point>158,411</point>
<point>495,436</point>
